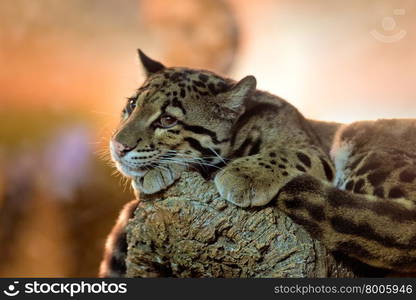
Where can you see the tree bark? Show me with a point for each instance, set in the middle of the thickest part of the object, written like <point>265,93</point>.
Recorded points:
<point>189,231</point>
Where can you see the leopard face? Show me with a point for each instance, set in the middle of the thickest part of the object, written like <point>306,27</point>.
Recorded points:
<point>178,116</point>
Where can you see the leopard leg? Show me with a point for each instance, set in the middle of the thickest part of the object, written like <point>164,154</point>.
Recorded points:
<point>113,263</point>
<point>254,180</point>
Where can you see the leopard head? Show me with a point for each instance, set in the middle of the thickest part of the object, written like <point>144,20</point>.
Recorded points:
<point>178,115</point>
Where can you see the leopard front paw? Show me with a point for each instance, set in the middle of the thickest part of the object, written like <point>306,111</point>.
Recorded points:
<point>157,179</point>
<point>245,187</point>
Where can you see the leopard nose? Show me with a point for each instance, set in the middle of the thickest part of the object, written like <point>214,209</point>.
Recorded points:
<point>121,149</point>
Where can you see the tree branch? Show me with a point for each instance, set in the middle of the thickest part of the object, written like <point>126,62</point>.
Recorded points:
<point>188,231</point>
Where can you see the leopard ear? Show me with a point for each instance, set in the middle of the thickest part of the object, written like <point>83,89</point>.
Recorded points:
<point>234,98</point>
<point>150,66</point>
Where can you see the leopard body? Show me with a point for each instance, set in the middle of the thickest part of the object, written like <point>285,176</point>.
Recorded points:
<point>356,196</point>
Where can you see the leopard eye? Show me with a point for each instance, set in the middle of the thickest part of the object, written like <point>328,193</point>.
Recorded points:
<point>131,105</point>
<point>167,121</point>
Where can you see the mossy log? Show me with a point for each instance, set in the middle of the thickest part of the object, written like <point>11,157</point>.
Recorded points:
<point>189,231</point>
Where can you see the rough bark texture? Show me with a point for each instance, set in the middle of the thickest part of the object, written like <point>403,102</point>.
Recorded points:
<point>188,231</point>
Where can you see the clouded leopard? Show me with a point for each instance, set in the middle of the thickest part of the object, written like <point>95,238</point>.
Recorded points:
<point>357,196</point>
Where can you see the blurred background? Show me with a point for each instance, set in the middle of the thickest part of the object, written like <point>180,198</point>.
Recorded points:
<point>66,68</point>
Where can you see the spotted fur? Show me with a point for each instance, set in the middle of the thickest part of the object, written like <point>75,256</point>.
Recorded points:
<point>358,198</point>
<point>114,261</point>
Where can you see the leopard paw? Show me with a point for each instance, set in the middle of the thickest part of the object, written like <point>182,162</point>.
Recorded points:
<point>245,187</point>
<point>157,179</point>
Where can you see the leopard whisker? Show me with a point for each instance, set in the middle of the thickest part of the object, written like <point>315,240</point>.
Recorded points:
<point>165,161</point>
<point>192,161</point>
<point>218,156</point>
